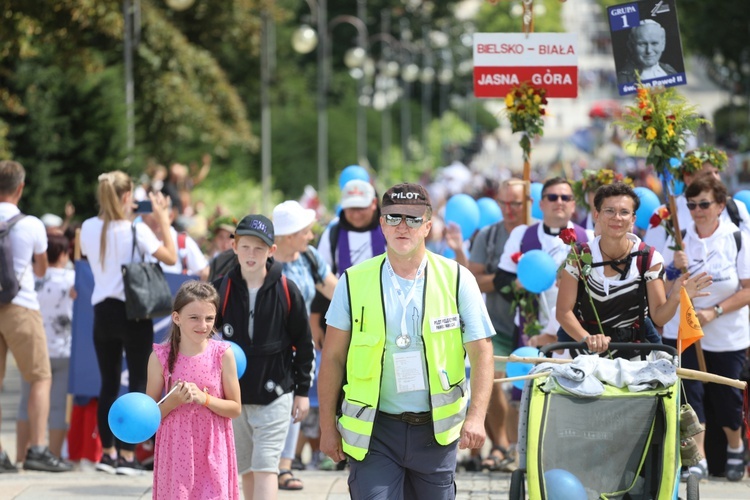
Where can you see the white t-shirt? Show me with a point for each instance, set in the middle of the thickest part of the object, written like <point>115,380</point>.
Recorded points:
<point>657,236</point>
<point>57,309</point>
<point>27,238</point>
<point>196,261</point>
<point>718,256</point>
<point>557,249</point>
<point>108,278</point>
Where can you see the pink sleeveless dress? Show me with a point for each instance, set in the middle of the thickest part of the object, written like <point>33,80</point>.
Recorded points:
<point>194,456</point>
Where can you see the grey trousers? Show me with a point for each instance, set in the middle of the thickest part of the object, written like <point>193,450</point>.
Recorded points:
<point>404,462</point>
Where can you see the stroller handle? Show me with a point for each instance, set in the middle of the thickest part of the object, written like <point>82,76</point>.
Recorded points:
<point>619,346</point>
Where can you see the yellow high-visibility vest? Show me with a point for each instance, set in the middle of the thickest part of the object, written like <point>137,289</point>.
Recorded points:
<point>443,350</point>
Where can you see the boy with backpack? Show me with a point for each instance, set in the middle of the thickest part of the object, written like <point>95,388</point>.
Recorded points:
<point>23,254</point>
<point>265,314</point>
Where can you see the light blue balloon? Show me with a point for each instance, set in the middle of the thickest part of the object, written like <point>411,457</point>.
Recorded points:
<point>353,172</point>
<point>537,271</point>
<point>535,191</point>
<point>239,358</point>
<point>679,187</point>
<point>463,210</point>
<point>513,369</point>
<point>649,203</point>
<point>449,253</point>
<point>743,196</point>
<point>563,485</point>
<point>489,212</point>
<point>134,417</point>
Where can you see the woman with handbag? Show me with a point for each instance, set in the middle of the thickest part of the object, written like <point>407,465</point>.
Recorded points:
<point>109,241</point>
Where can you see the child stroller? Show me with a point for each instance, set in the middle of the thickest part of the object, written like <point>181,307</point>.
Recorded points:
<point>610,432</point>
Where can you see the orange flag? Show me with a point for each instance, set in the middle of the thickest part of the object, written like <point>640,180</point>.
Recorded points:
<point>690,330</point>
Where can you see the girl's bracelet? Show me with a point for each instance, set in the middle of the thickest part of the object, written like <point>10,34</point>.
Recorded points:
<point>208,399</point>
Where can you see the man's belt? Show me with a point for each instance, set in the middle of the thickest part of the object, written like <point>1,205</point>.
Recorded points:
<point>410,417</point>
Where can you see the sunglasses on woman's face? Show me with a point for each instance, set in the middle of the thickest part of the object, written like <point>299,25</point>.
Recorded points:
<point>703,204</point>
<point>395,220</point>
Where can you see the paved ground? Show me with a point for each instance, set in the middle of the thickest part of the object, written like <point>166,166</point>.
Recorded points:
<point>319,485</point>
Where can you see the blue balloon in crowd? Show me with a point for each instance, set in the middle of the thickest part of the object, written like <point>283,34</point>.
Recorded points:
<point>513,369</point>
<point>449,253</point>
<point>463,210</point>
<point>679,187</point>
<point>134,417</point>
<point>563,485</point>
<point>537,271</point>
<point>489,212</point>
<point>353,172</point>
<point>649,203</point>
<point>535,191</point>
<point>239,358</point>
<point>743,196</point>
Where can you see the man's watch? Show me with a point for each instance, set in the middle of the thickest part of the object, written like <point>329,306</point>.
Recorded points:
<point>718,310</point>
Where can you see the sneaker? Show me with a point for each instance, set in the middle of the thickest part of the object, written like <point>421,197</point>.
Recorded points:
<point>699,470</point>
<point>5,464</point>
<point>45,461</point>
<point>107,464</point>
<point>736,470</point>
<point>129,468</point>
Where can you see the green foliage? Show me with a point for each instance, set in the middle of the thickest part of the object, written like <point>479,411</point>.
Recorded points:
<point>496,18</point>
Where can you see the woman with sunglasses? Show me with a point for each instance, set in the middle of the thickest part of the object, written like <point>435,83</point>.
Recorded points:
<point>624,282</point>
<point>717,246</point>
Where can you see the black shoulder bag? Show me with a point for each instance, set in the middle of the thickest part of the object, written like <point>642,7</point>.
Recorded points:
<point>147,293</point>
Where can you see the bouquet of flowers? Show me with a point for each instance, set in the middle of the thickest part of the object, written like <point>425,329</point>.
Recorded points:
<point>524,106</point>
<point>661,121</point>
<point>526,304</point>
<point>662,217</point>
<point>694,160</point>
<point>583,261</point>
<point>593,180</point>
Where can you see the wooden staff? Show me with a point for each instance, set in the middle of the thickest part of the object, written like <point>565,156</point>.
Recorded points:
<point>526,190</point>
<point>681,372</point>
<point>678,242</point>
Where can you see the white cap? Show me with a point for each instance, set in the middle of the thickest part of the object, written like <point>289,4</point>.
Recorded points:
<point>52,220</point>
<point>290,217</point>
<point>357,194</point>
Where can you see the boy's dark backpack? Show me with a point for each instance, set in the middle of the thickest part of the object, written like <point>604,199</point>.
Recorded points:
<point>9,285</point>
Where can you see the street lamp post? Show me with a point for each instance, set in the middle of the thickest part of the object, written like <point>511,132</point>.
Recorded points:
<point>266,70</point>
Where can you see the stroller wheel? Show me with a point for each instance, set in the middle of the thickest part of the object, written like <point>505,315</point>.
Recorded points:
<point>693,483</point>
<point>518,485</point>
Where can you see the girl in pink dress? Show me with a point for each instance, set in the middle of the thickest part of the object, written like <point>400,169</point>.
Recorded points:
<point>194,456</point>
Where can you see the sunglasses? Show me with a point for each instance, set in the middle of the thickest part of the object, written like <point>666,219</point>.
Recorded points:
<point>554,197</point>
<point>703,204</point>
<point>395,220</point>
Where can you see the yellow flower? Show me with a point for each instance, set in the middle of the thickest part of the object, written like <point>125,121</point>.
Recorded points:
<point>530,91</point>
<point>537,99</point>
<point>509,100</point>
<point>650,133</point>
<point>670,130</point>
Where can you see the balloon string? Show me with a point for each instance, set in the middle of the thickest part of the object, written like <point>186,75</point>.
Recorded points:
<point>167,395</point>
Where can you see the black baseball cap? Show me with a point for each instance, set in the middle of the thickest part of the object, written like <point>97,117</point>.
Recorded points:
<point>406,199</point>
<point>256,225</point>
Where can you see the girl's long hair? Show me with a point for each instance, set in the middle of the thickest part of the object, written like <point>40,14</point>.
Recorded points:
<point>112,186</point>
<point>190,291</point>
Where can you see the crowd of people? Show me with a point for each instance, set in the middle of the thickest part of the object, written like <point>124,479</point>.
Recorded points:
<point>356,344</point>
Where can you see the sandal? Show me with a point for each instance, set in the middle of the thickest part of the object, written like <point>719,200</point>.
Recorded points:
<point>284,485</point>
<point>497,456</point>
<point>736,470</point>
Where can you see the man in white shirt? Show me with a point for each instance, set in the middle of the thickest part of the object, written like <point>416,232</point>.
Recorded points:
<point>21,326</point>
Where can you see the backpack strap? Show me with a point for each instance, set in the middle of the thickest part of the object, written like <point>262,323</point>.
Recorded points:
<point>181,244</point>
<point>733,211</point>
<point>310,257</point>
<point>226,284</point>
<point>333,240</point>
<point>491,235</point>
<point>286,294</point>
